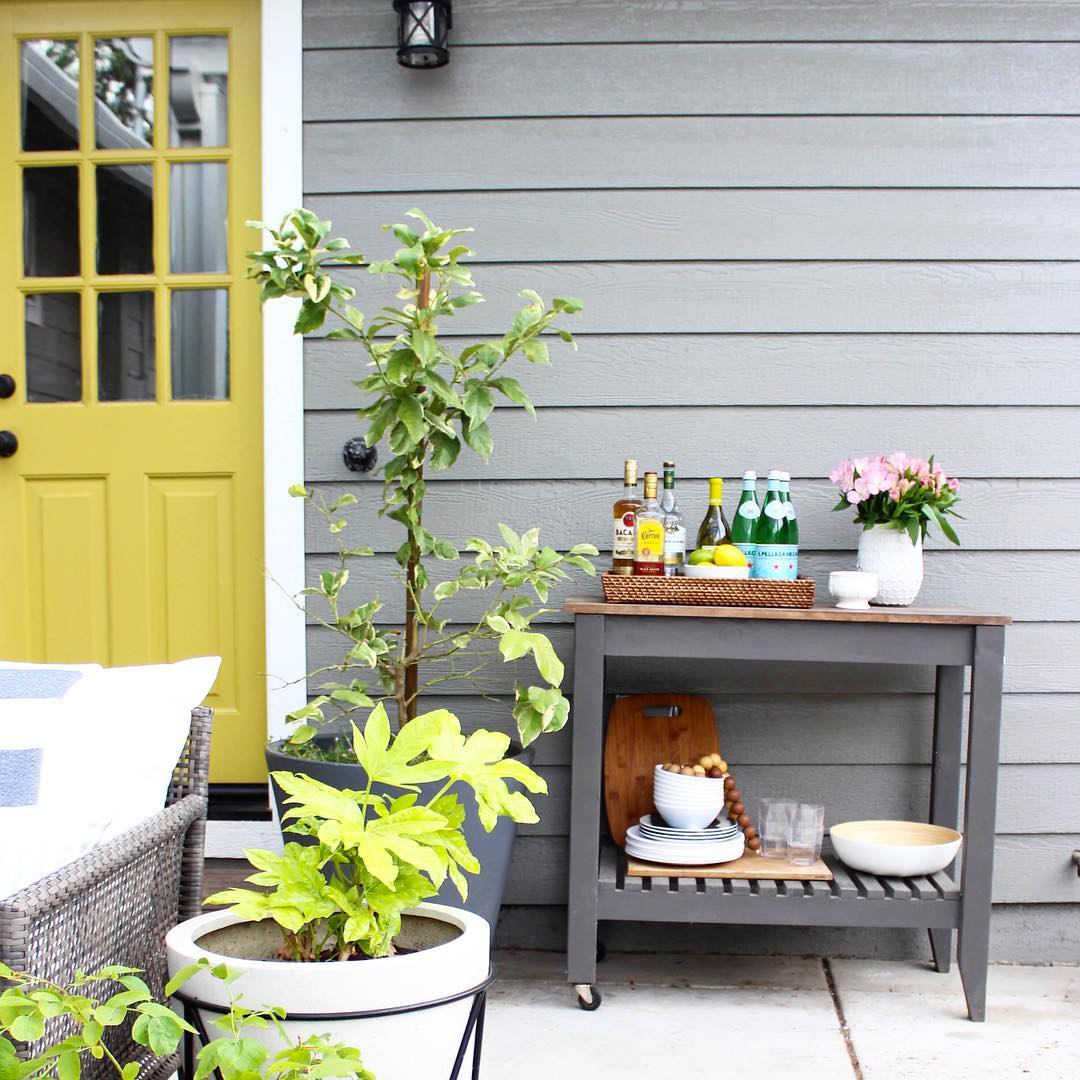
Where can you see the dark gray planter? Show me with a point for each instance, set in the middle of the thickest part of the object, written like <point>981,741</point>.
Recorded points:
<point>493,849</point>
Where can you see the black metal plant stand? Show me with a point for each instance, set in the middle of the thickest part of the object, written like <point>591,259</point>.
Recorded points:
<point>193,1008</point>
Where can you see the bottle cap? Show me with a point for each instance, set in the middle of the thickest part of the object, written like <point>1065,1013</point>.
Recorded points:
<point>669,464</point>
<point>650,485</point>
<point>629,471</point>
<point>774,474</point>
<point>786,476</point>
<point>716,489</point>
<point>750,474</point>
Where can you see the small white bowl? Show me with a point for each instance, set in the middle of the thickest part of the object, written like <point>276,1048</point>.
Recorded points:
<point>728,573</point>
<point>894,848</point>
<point>687,802</point>
<point>853,589</point>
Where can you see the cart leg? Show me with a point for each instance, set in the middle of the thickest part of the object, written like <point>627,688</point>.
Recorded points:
<point>588,735</point>
<point>945,777</point>
<point>984,733</point>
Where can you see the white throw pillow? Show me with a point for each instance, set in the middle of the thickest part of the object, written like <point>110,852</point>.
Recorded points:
<point>129,726</point>
<point>108,748</point>
<point>41,826</point>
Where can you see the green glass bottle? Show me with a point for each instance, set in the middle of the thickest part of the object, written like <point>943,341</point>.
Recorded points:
<point>714,529</point>
<point>746,518</point>
<point>791,538</point>
<point>771,533</point>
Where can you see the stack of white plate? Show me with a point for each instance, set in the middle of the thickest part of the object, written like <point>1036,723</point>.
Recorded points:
<point>654,841</point>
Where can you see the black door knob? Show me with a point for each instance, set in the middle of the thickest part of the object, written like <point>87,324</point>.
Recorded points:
<point>8,443</point>
<point>7,386</point>
<point>358,456</point>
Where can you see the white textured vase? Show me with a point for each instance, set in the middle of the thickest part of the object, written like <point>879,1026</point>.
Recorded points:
<point>898,563</point>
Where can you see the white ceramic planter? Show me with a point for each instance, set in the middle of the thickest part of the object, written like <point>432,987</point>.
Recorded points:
<point>402,1047</point>
<point>898,563</point>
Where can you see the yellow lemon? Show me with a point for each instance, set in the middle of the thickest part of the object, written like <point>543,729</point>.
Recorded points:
<point>728,555</point>
<point>700,556</point>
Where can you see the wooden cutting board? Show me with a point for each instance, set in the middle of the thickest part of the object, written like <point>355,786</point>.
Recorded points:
<point>750,866</point>
<point>645,730</point>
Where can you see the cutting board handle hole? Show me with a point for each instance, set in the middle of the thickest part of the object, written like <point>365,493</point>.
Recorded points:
<point>662,710</point>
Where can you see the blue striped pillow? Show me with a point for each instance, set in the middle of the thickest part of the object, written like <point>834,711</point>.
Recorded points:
<point>20,765</point>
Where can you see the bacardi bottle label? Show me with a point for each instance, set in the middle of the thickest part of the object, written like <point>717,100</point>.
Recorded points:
<point>622,545</point>
<point>649,556</point>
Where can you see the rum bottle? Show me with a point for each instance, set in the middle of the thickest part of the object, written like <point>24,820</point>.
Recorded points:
<point>624,521</point>
<point>649,540</point>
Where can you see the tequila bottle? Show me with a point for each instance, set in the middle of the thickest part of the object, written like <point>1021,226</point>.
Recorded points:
<point>649,537</point>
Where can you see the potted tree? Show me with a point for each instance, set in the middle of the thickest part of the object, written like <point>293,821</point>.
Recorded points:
<point>426,402</point>
<point>342,926</point>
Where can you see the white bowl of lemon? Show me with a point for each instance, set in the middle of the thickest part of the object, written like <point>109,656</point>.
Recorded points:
<point>722,561</point>
<point>711,570</point>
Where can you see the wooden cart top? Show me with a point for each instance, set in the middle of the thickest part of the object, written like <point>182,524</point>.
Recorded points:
<point>596,605</point>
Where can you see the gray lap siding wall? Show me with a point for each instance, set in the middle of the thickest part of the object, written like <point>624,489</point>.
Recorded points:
<point>799,231</point>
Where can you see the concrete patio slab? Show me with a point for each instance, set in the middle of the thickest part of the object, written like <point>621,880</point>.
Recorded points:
<point>907,1020</point>
<point>690,1016</point>
<point>647,1026</point>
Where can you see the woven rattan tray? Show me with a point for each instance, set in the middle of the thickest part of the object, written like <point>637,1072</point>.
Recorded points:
<point>709,592</point>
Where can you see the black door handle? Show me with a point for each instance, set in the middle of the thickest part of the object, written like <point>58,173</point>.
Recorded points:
<point>8,443</point>
<point>7,386</point>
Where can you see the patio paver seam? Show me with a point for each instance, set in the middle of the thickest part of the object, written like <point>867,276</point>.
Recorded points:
<point>838,1006</point>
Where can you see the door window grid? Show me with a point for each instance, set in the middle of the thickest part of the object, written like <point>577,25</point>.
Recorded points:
<point>161,158</point>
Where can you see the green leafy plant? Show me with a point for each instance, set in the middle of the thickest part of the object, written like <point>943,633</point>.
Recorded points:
<point>373,855</point>
<point>82,1013</point>
<point>426,402</point>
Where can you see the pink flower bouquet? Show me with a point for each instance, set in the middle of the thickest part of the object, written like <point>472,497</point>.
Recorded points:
<point>899,492</point>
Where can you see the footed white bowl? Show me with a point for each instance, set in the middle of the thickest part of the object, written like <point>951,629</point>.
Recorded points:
<point>853,589</point>
<point>895,848</point>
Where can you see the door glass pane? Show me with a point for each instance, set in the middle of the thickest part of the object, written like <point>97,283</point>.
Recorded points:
<point>51,222</point>
<point>200,344</point>
<point>53,347</point>
<point>198,90</point>
<point>126,346</point>
<point>124,89</point>
<point>125,224</point>
<point>50,95</point>
<point>197,217</point>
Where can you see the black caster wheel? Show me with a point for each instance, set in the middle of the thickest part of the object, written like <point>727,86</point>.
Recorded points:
<point>589,999</point>
<point>601,952</point>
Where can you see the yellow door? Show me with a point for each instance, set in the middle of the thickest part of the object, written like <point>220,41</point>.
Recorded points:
<point>130,489</point>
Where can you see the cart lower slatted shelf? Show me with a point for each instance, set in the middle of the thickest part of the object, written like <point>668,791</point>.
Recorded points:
<point>850,899</point>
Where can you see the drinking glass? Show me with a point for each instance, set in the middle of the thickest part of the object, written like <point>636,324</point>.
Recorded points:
<point>804,834</point>
<point>774,823</point>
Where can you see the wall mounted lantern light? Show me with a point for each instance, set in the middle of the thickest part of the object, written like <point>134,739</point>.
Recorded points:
<point>423,26</point>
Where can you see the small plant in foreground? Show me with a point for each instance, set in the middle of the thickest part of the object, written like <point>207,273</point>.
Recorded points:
<point>32,1009</point>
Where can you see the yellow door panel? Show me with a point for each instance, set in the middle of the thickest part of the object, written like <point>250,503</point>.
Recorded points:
<point>132,509</point>
<point>66,581</point>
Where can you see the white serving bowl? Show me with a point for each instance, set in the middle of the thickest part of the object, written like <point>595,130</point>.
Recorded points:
<point>895,848</point>
<point>729,573</point>
<point>853,589</point>
<point>687,802</point>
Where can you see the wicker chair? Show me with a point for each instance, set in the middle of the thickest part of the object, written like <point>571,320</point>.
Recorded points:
<point>115,903</point>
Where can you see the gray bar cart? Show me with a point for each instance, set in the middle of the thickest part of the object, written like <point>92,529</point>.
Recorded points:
<point>948,640</point>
